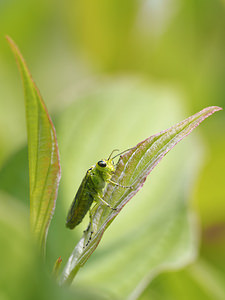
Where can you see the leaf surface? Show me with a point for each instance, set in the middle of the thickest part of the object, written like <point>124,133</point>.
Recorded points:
<point>132,169</point>
<point>44,167</point>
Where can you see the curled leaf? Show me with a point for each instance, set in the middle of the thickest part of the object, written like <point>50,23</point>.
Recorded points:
<point>132,169</point>
<point>44,167</point>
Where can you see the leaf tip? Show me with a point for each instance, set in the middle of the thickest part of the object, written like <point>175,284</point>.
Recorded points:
<point>8,38</point>
<point>11,42</point>
<point>16,51</point>
<point>216,108</point>
<point>206,112</point>
<point>56,267</point>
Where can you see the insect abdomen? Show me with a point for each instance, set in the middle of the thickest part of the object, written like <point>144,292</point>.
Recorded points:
<point>78,212</point>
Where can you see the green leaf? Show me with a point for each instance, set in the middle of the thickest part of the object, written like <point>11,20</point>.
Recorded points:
<point>56,267</point>
<point>132,169</point>
<point>44,167</point>
<point>201,280</point>
<point>23,274</point>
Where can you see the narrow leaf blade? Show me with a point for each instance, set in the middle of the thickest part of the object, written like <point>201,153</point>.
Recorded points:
<point>132,169</point>
<point>44,166</point>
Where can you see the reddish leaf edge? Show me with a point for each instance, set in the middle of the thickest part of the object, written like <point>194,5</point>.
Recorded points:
<point>215,108</point>
<point>132,194</point>
<point>16,53</point>
<point>68,278</point>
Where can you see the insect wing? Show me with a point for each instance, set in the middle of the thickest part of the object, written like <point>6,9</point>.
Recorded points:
<point>80,205</point>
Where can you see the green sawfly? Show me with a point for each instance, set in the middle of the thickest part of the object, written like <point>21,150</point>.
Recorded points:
<point>91,190</point>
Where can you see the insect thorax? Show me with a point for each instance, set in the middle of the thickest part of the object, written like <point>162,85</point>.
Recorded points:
<point>100,175</point>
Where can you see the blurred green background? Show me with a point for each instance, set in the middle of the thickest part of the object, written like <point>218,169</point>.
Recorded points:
<point>113,73</point>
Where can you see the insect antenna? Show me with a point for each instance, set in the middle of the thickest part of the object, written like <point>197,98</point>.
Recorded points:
<point>112,153</point>
<point>121,152</point>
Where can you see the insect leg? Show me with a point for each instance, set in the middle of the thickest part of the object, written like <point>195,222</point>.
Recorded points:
<point>123,186</point>
<point>90,227</point>
<point>107,204</point>
<point>91,222</point>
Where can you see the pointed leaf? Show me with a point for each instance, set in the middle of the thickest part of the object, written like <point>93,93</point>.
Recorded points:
<point>44,167</point>
<point>56,267</point>
<point>132,169</point>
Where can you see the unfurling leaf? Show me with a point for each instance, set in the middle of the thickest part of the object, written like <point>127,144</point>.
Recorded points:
<point>44,167</point>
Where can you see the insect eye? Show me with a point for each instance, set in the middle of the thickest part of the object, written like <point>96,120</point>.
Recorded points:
<point>102,163</point>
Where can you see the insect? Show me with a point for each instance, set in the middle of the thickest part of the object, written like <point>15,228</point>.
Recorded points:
<point>91,189</point>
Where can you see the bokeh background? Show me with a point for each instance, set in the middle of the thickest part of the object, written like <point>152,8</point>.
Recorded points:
<point>112,73</point>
